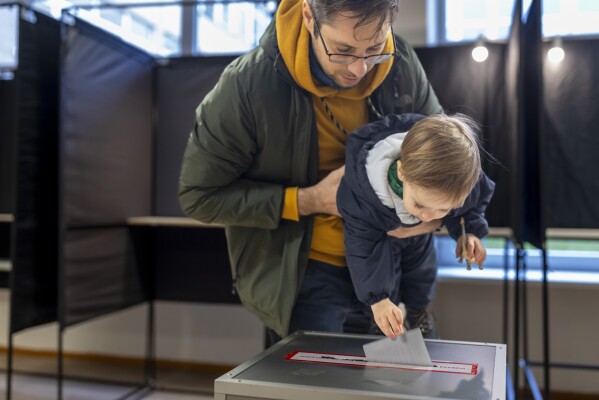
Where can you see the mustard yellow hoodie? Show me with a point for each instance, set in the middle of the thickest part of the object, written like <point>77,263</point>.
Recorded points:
<point>349,108</point>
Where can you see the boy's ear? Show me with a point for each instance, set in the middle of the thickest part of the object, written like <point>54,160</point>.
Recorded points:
<point>399,171</point>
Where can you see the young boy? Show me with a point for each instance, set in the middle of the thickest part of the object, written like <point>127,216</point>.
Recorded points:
<point>401,171</point>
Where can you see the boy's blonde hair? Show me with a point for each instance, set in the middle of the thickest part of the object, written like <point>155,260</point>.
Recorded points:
<point>441,152</point>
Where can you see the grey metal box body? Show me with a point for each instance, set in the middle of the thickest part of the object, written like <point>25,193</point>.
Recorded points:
<point>270,375</point>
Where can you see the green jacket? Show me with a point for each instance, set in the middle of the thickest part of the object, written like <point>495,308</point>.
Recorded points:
<point>255,135</point>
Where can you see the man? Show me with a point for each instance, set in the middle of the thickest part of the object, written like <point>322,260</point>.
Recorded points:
<point>267,152</point>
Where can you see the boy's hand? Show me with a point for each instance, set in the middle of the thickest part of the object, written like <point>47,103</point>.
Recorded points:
<point>475,249</point>
<point>388,317</point>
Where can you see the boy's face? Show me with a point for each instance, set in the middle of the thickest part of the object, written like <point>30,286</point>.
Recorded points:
<point>424,204</point>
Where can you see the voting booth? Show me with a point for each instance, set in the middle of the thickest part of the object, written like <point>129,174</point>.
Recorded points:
<point>331,366</point>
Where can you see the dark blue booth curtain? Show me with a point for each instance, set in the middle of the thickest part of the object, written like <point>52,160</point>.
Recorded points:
<point>478,90</point>
<point>106,171</point>
<point>33,194</point>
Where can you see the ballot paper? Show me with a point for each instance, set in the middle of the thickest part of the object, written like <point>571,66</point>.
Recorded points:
<point>408,348</point>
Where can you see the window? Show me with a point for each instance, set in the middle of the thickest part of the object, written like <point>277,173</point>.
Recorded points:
<point>569,260</point>
<point>467,20</point>
<point>215,27</point>
<point>155,29</point>
<point>570,17</point>
<point>238,26</point>
<point>9,45</point>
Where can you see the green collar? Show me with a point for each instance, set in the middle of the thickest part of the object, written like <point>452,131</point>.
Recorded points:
<point>394,182</point>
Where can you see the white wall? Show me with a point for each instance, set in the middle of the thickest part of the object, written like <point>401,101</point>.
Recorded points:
<point>411,22</point>
<point>202,333</point>
<point>472,310</point>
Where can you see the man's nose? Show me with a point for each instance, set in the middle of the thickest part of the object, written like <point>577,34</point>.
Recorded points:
<point>359,67</point>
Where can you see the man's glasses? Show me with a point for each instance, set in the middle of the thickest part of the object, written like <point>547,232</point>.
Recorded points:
<point>349,58</point>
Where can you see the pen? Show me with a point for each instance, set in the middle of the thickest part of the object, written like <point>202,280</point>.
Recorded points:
<point>464,254</point>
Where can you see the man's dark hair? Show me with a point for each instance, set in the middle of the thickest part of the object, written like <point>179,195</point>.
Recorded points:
<point>365,11</point>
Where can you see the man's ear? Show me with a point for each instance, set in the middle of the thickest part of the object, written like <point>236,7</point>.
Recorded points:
<point>308,17</point>
<point>400,171</point>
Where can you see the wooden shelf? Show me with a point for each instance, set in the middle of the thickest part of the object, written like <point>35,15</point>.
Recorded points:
<point>7,218</point>
<point>5,266</point>
<point>563,233</point>
<point>182,222</point>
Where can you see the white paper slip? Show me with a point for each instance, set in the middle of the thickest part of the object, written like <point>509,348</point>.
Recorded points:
<point>408,348</point>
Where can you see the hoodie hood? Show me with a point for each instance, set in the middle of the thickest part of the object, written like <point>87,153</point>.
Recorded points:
<point>378,161</point>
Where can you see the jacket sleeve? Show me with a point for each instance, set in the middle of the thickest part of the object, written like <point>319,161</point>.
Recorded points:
<point>368,251</point>
<point>220,149</point>
<point>473,211</point>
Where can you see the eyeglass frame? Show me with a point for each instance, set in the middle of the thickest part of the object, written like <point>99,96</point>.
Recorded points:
<point>355,58</point>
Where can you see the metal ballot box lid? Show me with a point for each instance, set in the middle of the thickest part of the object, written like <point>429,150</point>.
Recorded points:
<point>332,366</point>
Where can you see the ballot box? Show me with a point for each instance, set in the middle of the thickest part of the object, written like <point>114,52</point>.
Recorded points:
<point>331,366</point>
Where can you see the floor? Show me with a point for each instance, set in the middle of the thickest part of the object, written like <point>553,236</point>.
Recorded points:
<point>35,379</point>
<point>29,387</point>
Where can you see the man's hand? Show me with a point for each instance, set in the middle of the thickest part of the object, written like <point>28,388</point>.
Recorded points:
<point>322,197</point>
<point>388,317</point>
<point>420,229</point>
